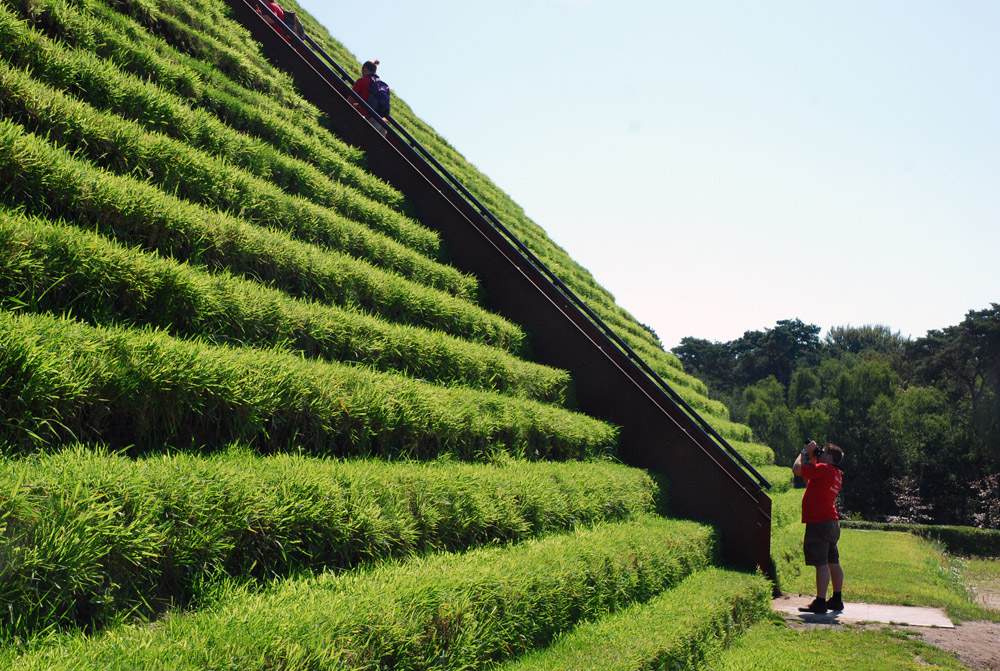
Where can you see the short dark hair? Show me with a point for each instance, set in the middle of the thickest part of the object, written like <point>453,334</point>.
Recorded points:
<point>835,451</point>
<point>369,66</point>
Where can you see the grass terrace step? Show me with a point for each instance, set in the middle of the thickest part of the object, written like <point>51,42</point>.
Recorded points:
<point>91,537</point>
<point>206,32</point>
<point>54,267</point>
<point>443,612</point>
<point>680,629</point>
<point>100,83</point>
<point>64,381</point>
<point>780,477</point>
<point>123,41</point>
<point>123,147</point>
<point>49,181</point>
<point>756,454</point>
<point>730,430</point>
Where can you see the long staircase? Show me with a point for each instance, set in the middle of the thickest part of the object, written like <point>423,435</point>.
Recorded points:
<point>710,481</point>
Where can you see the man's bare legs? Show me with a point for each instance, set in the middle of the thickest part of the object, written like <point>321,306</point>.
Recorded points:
<point>822,580</point>
<point>837,576</point>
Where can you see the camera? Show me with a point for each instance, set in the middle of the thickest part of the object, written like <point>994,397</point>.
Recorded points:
<point>816,454</point>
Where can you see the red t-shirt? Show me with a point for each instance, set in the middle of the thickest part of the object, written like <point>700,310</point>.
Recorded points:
<point>823,483</point>
<point>362,87</point>
<point>276,8</point>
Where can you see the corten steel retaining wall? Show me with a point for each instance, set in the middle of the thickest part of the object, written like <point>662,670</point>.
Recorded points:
<point>656,434</point>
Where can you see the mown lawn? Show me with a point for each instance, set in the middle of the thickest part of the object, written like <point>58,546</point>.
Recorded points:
<point>776,647</point>
<point>982,577</point>
<point>884,567</point>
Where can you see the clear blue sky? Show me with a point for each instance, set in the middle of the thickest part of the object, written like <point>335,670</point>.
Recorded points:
<point>722,165</point>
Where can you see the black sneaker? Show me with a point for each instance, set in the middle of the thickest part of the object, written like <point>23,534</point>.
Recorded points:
<point>836,603</point>
<point>817,606</point>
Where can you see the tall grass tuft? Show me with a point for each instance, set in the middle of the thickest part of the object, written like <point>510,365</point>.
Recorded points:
<point>49,181</point>
<point>123,147</point>
<point>55,267</point>
<point>93,536</point>
<point>445,612</point>
<point>681,629</point>
<point>101,83</point>
<point>65,381</point>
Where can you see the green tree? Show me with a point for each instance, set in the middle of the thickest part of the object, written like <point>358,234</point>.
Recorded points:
<point>857,339</point>
<point>771,420</point>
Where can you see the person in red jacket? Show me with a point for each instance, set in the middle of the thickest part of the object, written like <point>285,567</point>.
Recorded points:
<point>820,468</point>
<point>363,87</point>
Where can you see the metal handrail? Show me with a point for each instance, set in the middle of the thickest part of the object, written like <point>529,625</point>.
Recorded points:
<point>569,294</point>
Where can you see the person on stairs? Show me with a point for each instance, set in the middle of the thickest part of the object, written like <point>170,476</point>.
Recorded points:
<point>375,92</point>
<point>820,468</point>
<point>288,19</point>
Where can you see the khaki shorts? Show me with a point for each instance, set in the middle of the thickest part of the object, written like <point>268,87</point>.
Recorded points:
<point>820,544</point>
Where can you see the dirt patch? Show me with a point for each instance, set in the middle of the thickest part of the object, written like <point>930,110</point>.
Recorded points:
<point>977,644</point>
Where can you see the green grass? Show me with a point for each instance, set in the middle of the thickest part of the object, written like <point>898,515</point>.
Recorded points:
<point>982,578</point>
<point>106,87</point>
<point>757,455</point>
<point>884,567</point>
<point>982,570</point>
<point>786,510</point>
<point>90,537</point>
<point>205,32</point>
<point>444,612</point>
<point>124,148</point>
<point>49,181</point>
<point>46,266</point>
<point>960,540</point>
<point>680,629</point>
<point>780,478</point>
<point>199,194</point>
<point>66,381</point>
<point>97,27</point>
<point>776,647</point>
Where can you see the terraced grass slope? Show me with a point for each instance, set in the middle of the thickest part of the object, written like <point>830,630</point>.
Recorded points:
<point>244,396</point>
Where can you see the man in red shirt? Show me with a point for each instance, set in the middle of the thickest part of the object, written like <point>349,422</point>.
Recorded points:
<point>820,467</point>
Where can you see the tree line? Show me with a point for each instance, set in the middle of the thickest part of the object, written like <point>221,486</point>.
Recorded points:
<point>919,418</point>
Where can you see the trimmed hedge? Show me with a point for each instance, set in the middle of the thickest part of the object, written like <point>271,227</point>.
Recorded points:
<point>443,612</point>
<point>969,541</point>
<point>65,381</point>
<point>92,536</point>
<point>49,181</point>
<point>54,267</point>
<point>106,87</point>
<point>680,629</point>
<point>124,148</point>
